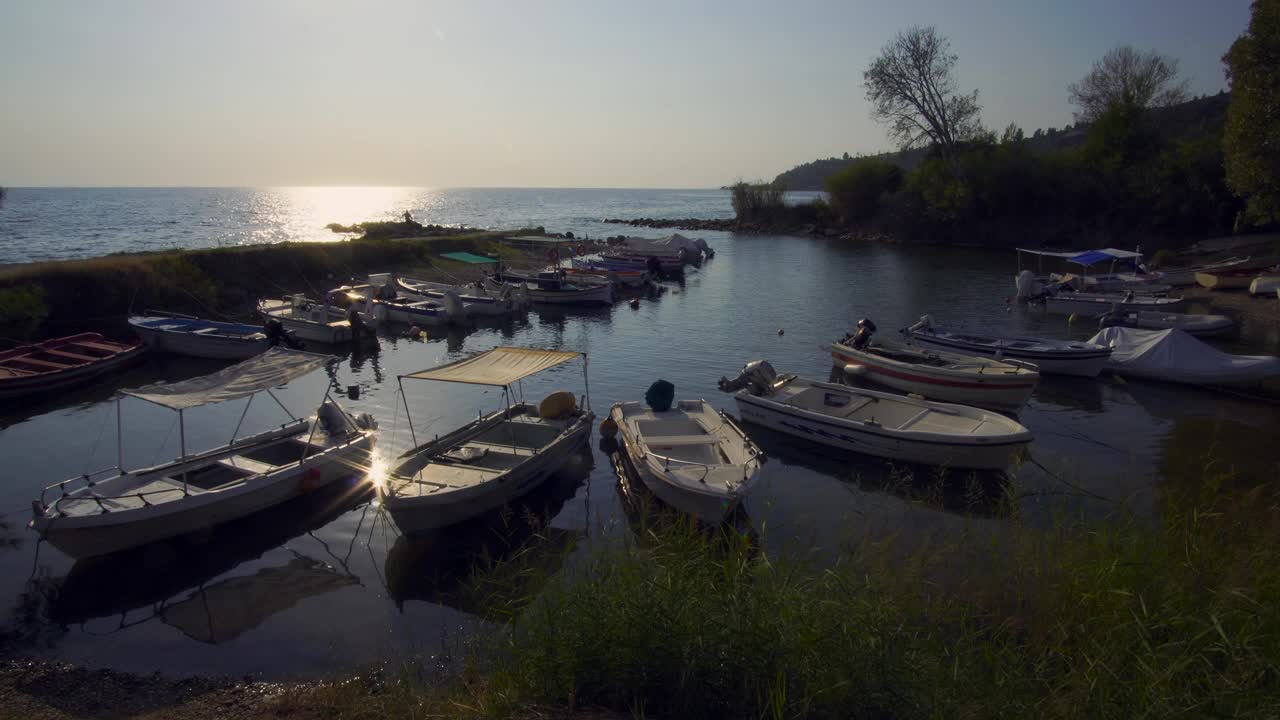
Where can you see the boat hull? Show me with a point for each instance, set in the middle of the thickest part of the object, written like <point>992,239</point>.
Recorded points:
<point>992,390</point>
<point>419,513</point>
<point>1082,364</point>
<point>1067,304</point>
<point>852,437</point>
<point>1224,281</point>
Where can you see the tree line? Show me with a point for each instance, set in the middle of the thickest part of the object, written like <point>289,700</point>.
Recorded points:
<point>1127,176</point>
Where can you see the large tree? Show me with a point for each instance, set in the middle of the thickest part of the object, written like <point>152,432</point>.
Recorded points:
<point>1131,77</point>
<point>1251,140</point>
<point>912,87</point>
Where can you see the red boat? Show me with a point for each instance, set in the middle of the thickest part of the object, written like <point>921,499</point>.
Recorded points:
<point>62,362</point>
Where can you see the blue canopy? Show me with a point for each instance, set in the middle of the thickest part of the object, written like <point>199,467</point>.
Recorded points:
<point>1093,257</point>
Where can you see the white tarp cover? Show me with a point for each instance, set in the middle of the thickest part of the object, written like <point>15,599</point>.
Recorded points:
<point>500,366</point>
<point>671,243</point>
<point>274,367</point>
<point>1175,356</point>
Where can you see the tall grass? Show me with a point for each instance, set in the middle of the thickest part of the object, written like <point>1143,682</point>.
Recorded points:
<point>1123,619</point>
<point>757,201</point>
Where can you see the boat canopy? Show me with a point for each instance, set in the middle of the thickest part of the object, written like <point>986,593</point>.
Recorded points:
<point>1089,257</point>
<point>500,366</point>
<point>274,367</point>
<point>469,258</point>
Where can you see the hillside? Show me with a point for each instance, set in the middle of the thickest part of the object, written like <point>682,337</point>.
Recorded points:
<point>1176,121</point>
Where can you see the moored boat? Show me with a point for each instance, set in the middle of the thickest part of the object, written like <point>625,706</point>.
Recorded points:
<point>936,374</point>
<point>1050,356</point>
<point>311,321</point>
<point>1264,285</point>
<point>1226,279</point>
<point>197,337</point>
<point>690,456</point>
<point>116,509</point>
<point>554,287</point>
<point>62,363</point>
<point>494,459</point>
<point>586,271</point>
<point>1093,305</point>
<point>1175,356</point>
<point>477,299</point>
<point>1192,324</point>
<point>1180,277</point>
<point>875,423</point>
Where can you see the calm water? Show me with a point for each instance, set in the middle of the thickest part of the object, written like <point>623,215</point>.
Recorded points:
<point>60,223</point>
<point>327,584</point>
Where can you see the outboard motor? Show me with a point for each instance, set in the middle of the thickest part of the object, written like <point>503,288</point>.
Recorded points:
<point>1027,286</point>
<point>453,307</point>
<point>654,266</point>
<point>862,337</point>
<point>924,324</point>
<point>276,334</point>
<point>334,420</point>
<point>757,376</point>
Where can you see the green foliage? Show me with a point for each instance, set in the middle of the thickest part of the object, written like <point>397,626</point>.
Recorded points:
<point>757,201</point>
<point>22,311</point>
<point>1253,117</point>
<point>858,191</point>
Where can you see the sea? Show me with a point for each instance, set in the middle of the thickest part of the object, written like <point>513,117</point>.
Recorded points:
<point>328,584</point>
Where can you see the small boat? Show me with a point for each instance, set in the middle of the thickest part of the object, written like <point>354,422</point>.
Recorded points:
<point>874,423</point>
<point>116,509</point>
<point>197,337</point>
<point>476,298</point>
<point>1198,325</point>
<point>1264,285</point>
<point>1050,356</point>
<point>494,459</point>
<point>62,363</point>
<point>936,374</point>
<point>692,457</point>
<point>1116,283</point>
<point>311,321</point>
<point>374,304</point>
<point>1181,277</point>
<point>1175,356</point>
<point>553,287</point>
<point>588,270</point>
<point>1226,279</point>
<point>1093,305</point>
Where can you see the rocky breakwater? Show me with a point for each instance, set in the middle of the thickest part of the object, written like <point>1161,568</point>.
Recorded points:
<point>756,227</point>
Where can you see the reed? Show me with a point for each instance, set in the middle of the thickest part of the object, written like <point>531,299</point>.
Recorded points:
<point>1124,618</point>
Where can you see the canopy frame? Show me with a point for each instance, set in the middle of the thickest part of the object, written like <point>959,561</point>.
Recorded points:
<point>508,387</point>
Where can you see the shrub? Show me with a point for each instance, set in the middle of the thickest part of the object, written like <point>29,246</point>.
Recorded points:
<point>22,311</point>
<point>857,191</point>
<point>758,201</point>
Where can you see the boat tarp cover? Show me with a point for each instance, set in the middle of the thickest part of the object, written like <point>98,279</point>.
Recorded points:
<point>1088,257</point>
<point>674,242</point>
<point>466,257</point>
<point>500,366</point>
<point>1176,356</point>
<point>274,367</point>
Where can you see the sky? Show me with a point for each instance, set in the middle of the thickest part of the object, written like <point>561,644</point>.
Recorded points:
<point>541,93</point>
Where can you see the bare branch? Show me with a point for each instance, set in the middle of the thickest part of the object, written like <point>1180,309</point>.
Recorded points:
<point>1145,79</point>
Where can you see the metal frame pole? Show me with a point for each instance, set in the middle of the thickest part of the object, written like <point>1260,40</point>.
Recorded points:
<point>586,382</point>
<point>312,434</point>
<point>182,446</point>
<point>119,436</point>
<point>407,415</point>
<point>242,416</point>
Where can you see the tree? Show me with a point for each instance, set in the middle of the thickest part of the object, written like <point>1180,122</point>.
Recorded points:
<point>1140,79</point>
<point>856,191</point>
<point>1011,134</point>
<point>1249,141</point>
<point>912,88</point>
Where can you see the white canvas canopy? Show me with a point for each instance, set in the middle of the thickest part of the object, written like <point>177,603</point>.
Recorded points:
<point>1175,356</point>
<point>274,367</point>
<point>500,366</point>
<point>674,242</point>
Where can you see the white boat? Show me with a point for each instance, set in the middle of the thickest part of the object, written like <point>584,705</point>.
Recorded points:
<point>876,423</point>
<point>691,457</point>
<point>311,321</point>
<point>937,374</point>
<point>477,299</point>
<point>1226,279</point>
<point>553,287</point>
<point>1126,272</point>
<point>196,337</point>
<point>1115,283</point>
<point>383,303</point>
<point>1093,305</point>
<point>1198,325</point>
<point>1264,285</point>
<point>116,509</point>
<point>588,269</point>
<point>1175,356</point>
<point>495,459</point>
<point>1182,277</point>
<point>1050,356</point>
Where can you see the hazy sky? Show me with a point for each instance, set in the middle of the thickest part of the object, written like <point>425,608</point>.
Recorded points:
<point>521,93</point>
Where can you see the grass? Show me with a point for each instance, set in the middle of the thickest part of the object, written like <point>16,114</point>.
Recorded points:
<point>1128,618</point>
<point>225,282</point>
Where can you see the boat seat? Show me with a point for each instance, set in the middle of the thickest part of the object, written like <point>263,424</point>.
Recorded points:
<point>111,348</point>
<point>43,363</point>
<point>204,331</point>
<point>677,440</point>
<point>854,407</point>
<point>241,462</point>
<point>71,356</point>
